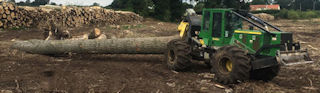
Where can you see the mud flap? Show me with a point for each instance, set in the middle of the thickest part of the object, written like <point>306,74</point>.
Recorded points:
<point>294,57</point>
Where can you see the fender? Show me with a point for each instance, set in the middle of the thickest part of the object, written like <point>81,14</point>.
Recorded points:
<point>183,26</point>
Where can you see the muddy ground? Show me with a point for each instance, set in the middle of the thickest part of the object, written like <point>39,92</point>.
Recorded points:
<point>30,73</point>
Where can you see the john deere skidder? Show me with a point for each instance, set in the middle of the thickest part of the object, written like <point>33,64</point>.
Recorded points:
<point>235,54</point>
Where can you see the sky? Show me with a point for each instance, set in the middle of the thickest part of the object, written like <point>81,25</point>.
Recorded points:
<point>79,2</point>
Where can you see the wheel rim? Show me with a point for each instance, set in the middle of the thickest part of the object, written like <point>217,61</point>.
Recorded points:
<point>229,66</point>
<point>225,65</point>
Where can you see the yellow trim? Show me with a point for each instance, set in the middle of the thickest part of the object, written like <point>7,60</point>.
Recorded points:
<point>248,32</point>
<point>182,28</point>
<point>216,39</point>
<point>201,41</point>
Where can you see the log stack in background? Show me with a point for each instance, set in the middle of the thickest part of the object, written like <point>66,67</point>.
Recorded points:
<point>23,16</point>
<point>8,15</point>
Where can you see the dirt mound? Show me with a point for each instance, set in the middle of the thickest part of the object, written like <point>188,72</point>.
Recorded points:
<point>265,16</point>
<point>13,16</point>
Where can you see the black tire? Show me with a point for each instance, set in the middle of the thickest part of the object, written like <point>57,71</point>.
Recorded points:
<point>265,74</point>
<point>177,55</point>
<point>240,65</point>
<point>208,63</point>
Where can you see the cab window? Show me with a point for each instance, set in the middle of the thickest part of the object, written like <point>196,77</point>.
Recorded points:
<point>206,21</point>
<point>217,21</point>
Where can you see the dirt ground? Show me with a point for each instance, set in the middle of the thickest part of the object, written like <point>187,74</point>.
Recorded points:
<point>32,73</point>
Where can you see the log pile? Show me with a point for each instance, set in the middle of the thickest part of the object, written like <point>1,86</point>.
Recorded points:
<point>23,16</point>
<point>265,16</point>
<point>8,15</point>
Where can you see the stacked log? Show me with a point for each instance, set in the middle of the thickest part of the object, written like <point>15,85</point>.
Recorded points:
<point>23,16</point>
<point>8,15</point>
<point>265,16</point>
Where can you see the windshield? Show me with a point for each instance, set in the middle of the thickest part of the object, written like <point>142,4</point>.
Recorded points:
<point>233,22</point>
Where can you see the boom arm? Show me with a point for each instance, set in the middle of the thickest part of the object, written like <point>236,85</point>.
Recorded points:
<point>251,22</point>
<point>264,22</point>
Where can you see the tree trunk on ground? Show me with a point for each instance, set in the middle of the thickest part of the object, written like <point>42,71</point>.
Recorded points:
<point>151,45</point>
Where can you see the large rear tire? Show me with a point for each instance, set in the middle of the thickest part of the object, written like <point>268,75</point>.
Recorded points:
<point>177,55</point>
<point>265,74</point>
<point>230,65</point>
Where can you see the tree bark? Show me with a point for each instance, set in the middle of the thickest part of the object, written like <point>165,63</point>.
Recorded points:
<point>1,10</point>
<point>1,24</point>
<point>151,45</point>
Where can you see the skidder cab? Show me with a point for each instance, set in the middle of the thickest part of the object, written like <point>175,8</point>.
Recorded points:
<point>235,54</point>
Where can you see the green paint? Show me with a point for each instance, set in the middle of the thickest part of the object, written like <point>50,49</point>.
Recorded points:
<point>251,41</point>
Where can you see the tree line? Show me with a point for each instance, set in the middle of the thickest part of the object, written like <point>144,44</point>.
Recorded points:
<point>172,10</point>
<point>166,10</point>
<point>40,2</point>
<point>33,3</point>
<point>293,9</point>
<point>302,5</point>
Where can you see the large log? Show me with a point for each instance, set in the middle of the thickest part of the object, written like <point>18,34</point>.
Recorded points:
<point>151,45</point>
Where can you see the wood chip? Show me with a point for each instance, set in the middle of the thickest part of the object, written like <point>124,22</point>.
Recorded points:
<point>310,88</point>
<point>220,86</point>
<point>171,84</point>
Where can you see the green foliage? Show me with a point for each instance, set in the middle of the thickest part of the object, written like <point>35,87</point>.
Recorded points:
<point>309,14</point>
<point>302,5</point>
<point>21,3</point>
<point>95,4</point>
<point>198,8</point>
<point>220,4</point>
<point>28,1</point>
<point>235,4</point>
<point>40,2</point>
<point>272,12</point>
<point>258,2</point>
<point>17,28</point>
<point>285,4</point>
<point>169,10</point>
<point>34,3</point>
<point>142,7</point>
<point>165,10</point>
<point>177,9</point>
<point>162,10</point>
<point>292,14</point>
<point>282,14</point>
<point>172,10</point>
<point>53,3</point>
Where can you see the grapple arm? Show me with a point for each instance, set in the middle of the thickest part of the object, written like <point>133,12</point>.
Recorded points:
<point>293,57</point>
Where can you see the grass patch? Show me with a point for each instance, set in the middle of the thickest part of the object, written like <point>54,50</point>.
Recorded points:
<point>17,28</point>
